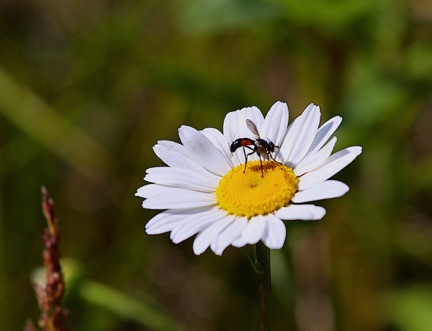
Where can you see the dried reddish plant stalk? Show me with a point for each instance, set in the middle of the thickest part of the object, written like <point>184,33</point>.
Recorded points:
<point>53,315</point>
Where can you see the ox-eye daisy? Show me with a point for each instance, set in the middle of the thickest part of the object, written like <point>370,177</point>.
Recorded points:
<point>208,191</point>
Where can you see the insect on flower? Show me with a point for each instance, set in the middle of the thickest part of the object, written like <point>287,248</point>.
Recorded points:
<point>260,146</point>
<point>205,192</point>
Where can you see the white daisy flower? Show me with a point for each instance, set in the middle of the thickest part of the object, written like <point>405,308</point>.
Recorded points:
<point>210,192</point>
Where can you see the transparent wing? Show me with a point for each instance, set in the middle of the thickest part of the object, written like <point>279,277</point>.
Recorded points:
<point>251,126</point>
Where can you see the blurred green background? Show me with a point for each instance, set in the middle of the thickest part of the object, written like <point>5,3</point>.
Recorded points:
<point>88,87</point>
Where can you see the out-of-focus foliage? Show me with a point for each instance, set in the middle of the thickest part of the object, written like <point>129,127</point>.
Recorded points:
<point>88,87</point>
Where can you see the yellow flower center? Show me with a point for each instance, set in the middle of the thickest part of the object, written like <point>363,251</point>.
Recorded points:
<point>250,194</point>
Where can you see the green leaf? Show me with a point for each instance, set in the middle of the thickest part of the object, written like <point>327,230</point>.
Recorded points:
<point>410,309</point>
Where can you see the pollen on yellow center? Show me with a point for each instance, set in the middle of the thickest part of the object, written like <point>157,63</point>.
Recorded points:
<point>250,194</point>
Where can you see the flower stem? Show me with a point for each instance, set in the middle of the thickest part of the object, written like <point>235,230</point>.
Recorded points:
<point>262,267</point>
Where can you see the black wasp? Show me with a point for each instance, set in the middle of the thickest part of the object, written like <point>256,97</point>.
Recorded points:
<point>260,146</point>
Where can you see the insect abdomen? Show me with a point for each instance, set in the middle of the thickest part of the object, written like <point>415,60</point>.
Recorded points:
<point>241,142</point>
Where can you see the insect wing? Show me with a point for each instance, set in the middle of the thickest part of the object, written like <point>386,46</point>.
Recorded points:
<point>263,152</point>
<point>251,126</point>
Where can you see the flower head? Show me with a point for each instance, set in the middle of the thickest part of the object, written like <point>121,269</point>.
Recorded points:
<point>236,187</point>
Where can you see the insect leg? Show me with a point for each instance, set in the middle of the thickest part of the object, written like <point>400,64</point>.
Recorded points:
<point>246,155</point>
<point>272,157</point>
<point>262,171</point>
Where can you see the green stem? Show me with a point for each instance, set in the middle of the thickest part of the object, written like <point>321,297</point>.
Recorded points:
<point>263,271</point>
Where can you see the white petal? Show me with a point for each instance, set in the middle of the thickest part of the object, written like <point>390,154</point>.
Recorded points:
<point>150,190</point>
<point>275,234</point>
<point>168,220</point>
<point>201,149</point>
<point>324,133</point>
<point>253,114</point>
<point>196,223</point>
<point>275,123</point>
<point>230,127</point>
<point>227,236</point>
<point>333,165</point>
<point>254,230</point>
<point>300,135</point>
<point>205,238</point>
<point>231,133</point>
<point>175,155</point>
<point>219,140</point>
<point>176,198</point>
<point>240,241</point>
<point>301,212</point>
<point>182,178</point>
<point>153,190</point>
<point>235,123</point>
<point>324,190</point>
<point>314,160</point>
<point>162,223</point>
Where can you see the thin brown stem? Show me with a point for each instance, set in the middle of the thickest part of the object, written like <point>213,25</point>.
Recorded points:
<point>50,294</point>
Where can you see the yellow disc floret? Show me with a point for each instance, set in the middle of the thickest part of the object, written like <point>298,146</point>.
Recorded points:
<point>248,193</point>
